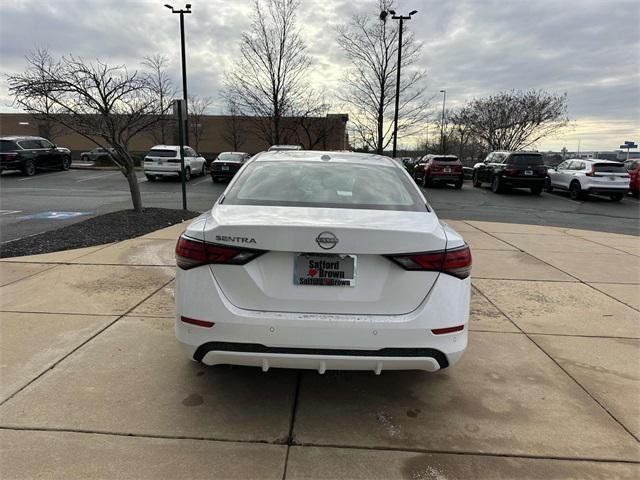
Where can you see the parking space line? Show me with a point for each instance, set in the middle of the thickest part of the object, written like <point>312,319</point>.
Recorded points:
<point>198,182</point>
<point>98,176</point>
<point>8,212</point>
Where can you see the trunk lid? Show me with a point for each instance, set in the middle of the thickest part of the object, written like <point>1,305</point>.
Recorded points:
<point>267,282</point>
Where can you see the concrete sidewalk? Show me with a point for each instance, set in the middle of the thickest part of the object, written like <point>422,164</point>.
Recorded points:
<point>93,384</point>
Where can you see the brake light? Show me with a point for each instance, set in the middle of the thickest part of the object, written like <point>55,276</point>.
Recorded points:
<point>456,262</point>
<point>592,173</point>
<point>10,155</point>
<point>511,171</point>
<point>192,253</point>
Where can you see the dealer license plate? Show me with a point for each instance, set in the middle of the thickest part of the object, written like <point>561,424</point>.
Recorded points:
<point>225,168</point>
<point>447,170</point>
<point>528,172</point>
<point>324,270</point>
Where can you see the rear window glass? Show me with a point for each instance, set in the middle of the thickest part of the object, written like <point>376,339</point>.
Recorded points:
<point>445,159</point>
<point>230,157</point>
<point>8,146</point>
<point>609,168</point>
<point>162,153</point>
<point>523,160</point>
<point>324,185</point>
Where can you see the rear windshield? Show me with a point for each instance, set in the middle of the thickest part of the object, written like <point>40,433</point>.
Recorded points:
<point>445,159</point>
<point>609,168</point>
<point>230,157</point>
<point>524,159</point>
<point>325,185</point>
<point>8,146</point>
<point>162,153</point>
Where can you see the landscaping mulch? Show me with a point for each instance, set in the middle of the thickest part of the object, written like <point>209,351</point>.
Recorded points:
<point>107,228</point>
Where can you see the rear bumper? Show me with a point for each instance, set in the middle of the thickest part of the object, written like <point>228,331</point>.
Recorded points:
<point>606,190</point>
<point>447,178</point>
<point>518,182</point>
<point>321,341</point>
<point>255,355</point>
<point>13,165</point>
<point>216,172</point>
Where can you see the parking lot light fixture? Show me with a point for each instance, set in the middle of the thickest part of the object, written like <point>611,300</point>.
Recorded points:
<point>401,18</point>
<point>444,100</point>
<point>186,9</point>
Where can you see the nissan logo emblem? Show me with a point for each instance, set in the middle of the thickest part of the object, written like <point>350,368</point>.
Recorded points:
<point>327,240</point>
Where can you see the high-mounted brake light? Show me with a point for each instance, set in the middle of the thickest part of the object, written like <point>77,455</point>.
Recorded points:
<point>456,262</point>
<point>192,253</point>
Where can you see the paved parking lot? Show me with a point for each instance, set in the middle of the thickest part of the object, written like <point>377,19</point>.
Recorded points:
<point>94,385</point>
<point>51,199</point>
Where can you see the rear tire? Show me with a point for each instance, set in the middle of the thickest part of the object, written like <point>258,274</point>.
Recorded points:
<point>547,186</point>
<point>65,163</point>
<point>29,168</point>
<point>575,191</point>
<point>458,185</point>
<point>204,167</point>
<point>84,158</point>
<point>425,181</point>
<point>536,190</point>
<point>496,185</point>
<point>214,179</point>
<point>476,183</point>
<point>615,197</point>
<point>150,178</point>
<point>187,174</point>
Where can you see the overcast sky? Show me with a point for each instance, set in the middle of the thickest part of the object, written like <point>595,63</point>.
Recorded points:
<point>586,48</point>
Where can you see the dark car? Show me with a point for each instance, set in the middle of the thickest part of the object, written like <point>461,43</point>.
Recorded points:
<point>226,165</point>
<point>511,170</point>
<point>440,169</point>
<point>29,154</point>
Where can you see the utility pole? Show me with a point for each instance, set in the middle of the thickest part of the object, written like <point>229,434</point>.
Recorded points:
<point>444,100</point>
<point>402,18</point>
<point>187,9</point>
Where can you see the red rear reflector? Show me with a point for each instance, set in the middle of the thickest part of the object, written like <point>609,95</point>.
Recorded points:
<point>442,331</point>
<point>200,323</point>
<point>193,253</point>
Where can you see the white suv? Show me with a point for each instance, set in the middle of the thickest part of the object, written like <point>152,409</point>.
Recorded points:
<point>164,161</point>
<point>582,177</point>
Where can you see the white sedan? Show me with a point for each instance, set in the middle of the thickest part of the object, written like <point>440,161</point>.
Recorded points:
<point>322,260</point>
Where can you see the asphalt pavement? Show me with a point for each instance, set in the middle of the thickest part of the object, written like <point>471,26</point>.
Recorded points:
<point>48,200</point>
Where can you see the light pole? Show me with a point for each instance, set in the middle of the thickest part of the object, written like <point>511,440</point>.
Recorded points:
<point>187,9</point>
<point>402,18</point>
<point>444,101</point>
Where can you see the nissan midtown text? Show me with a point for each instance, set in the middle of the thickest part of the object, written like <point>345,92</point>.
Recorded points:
<point>322,260</point>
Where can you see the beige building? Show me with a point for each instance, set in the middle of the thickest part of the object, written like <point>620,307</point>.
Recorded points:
<point>209,135</point>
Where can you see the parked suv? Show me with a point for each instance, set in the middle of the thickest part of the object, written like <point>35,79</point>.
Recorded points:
<point>225,166</point>
<point>439,169</point>
<point>593,176</point>
<point>633,167</point>
<point>164,161</point>
<point>28,154</point>
<point>511,169</point>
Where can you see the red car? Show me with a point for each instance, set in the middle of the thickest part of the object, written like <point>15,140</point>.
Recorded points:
<point>439,169</point>
<point>633,167</point>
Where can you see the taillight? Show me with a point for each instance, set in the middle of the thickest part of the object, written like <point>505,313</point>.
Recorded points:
<point>10,156</point>
<point>511,172</point>
<point>456,262</point>
<point>193,253</point>
<point>592,173</point>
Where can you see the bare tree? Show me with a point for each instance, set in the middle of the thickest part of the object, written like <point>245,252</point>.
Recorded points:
<point>166,91</point>
<point>371,46</point>
<point>235,128</point>
<point>312,125</point>
<point>268,80</point>
<point>107,105</point>
<point>516,119</point>
<point>198,107</point>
